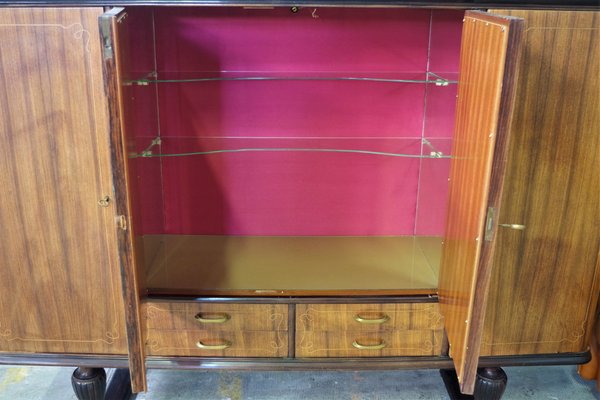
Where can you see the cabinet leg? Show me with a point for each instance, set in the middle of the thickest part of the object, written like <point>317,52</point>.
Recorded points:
<point>490,384</point>
<point>89,383</point>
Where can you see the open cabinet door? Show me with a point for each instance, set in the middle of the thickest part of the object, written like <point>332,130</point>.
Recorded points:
<point>113,30</point>
<point>489,57</point>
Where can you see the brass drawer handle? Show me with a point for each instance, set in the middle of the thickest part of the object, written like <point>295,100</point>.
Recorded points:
<point>383,318</point>
<point>222,346</point>
<point>377,346</point>
<point>212,318</point>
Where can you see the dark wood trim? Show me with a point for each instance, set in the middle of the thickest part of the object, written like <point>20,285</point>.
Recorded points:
<point>513,53</point>
<point>65,360</point>
<point>165,292</point>
<point>472,4</point>
<point>298,300</point>
<point>291,330</point>
<point>536,359</point>
<point>71,360</point>
<point>445,345</point>
<point>305,364</point>
<point>123,223</point>
<point>299,364</point>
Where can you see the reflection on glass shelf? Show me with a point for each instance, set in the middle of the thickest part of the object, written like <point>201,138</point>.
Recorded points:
<point>431,211</point>
<point>291,265</point>
<point>199,77</point>
<point>430,151</point>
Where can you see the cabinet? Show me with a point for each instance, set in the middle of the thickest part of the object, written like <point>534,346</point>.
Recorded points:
<point>293,187</point>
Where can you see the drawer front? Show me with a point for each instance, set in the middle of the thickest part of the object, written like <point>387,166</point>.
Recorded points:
<point>369,344</point>
<point>210,343</point>
<point>216,316</point>
<point>368,317</point>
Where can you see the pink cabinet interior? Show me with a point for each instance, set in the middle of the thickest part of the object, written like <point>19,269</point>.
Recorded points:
<point>299,100</point>
<point>299,192</point>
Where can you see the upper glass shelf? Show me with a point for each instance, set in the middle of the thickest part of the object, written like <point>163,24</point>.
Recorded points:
<point>200,77</point>
<point>428,149</point>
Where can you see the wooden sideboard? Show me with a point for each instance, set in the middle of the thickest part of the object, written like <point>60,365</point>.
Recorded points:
<point>291,187</point>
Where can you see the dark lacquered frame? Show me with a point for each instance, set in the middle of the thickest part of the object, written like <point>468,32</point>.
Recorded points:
<point>472,4</point>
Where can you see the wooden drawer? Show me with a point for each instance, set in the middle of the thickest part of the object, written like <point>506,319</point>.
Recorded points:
<point>210,343</point>
<point>368,317</point>
<point>369,344</point>
<point>216,316</point>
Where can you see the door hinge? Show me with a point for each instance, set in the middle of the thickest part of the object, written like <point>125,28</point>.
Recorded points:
<point>489,224</point>
<point>107,50</point>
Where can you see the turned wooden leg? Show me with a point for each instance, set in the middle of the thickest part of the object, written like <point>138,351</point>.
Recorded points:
<point>89,383</point>
<point>489,385</point>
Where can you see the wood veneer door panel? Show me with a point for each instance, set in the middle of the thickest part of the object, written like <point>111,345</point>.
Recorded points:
<point>59,274</point>
<point>489,50</point>
<point>545,278</point>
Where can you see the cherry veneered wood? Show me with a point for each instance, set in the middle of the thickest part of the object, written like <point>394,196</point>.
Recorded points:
<point>490,47</point>
<point>544,285</point>
<point>59,272</point>
<point>114,30</point>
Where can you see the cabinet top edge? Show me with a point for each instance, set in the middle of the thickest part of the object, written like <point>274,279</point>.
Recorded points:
<point>468,4</point>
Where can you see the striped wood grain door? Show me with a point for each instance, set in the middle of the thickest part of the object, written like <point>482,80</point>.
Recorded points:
<point>489,57</point>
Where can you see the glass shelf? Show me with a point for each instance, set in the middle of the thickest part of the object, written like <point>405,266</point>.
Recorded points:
<point>429,150</point>
<point>191,77</point>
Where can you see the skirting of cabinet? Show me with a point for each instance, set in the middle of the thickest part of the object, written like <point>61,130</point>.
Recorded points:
<point>288,363</point>
<point>371,363</point>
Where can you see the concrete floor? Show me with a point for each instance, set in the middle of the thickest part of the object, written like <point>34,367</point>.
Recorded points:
<point>544,383</point>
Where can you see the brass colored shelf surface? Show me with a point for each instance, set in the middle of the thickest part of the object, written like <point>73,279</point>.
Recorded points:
<point>291,265</point>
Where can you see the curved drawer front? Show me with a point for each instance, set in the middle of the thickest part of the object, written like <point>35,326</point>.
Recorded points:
<point>209,343</point>
<point>216,316</point>
<point>368,317</point>
<point>368,330</point>
<point>369,344</point>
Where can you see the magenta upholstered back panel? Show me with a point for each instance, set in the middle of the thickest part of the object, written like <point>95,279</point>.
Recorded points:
<point>304,193</point>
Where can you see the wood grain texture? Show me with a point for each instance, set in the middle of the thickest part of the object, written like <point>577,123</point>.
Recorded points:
<point>241,317</point>
<point>545,279</point>
<point>134,57</point>
<point>112,32</point>
<point>342,317</point>
<point>483,107</point>
<point>289,265</point>
<point>59,273</point>
<point>329,330</point>
<point>243,343</point>
<point>397,343</point>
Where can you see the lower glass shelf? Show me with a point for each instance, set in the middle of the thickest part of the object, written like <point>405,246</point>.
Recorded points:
<point>291,265</point>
